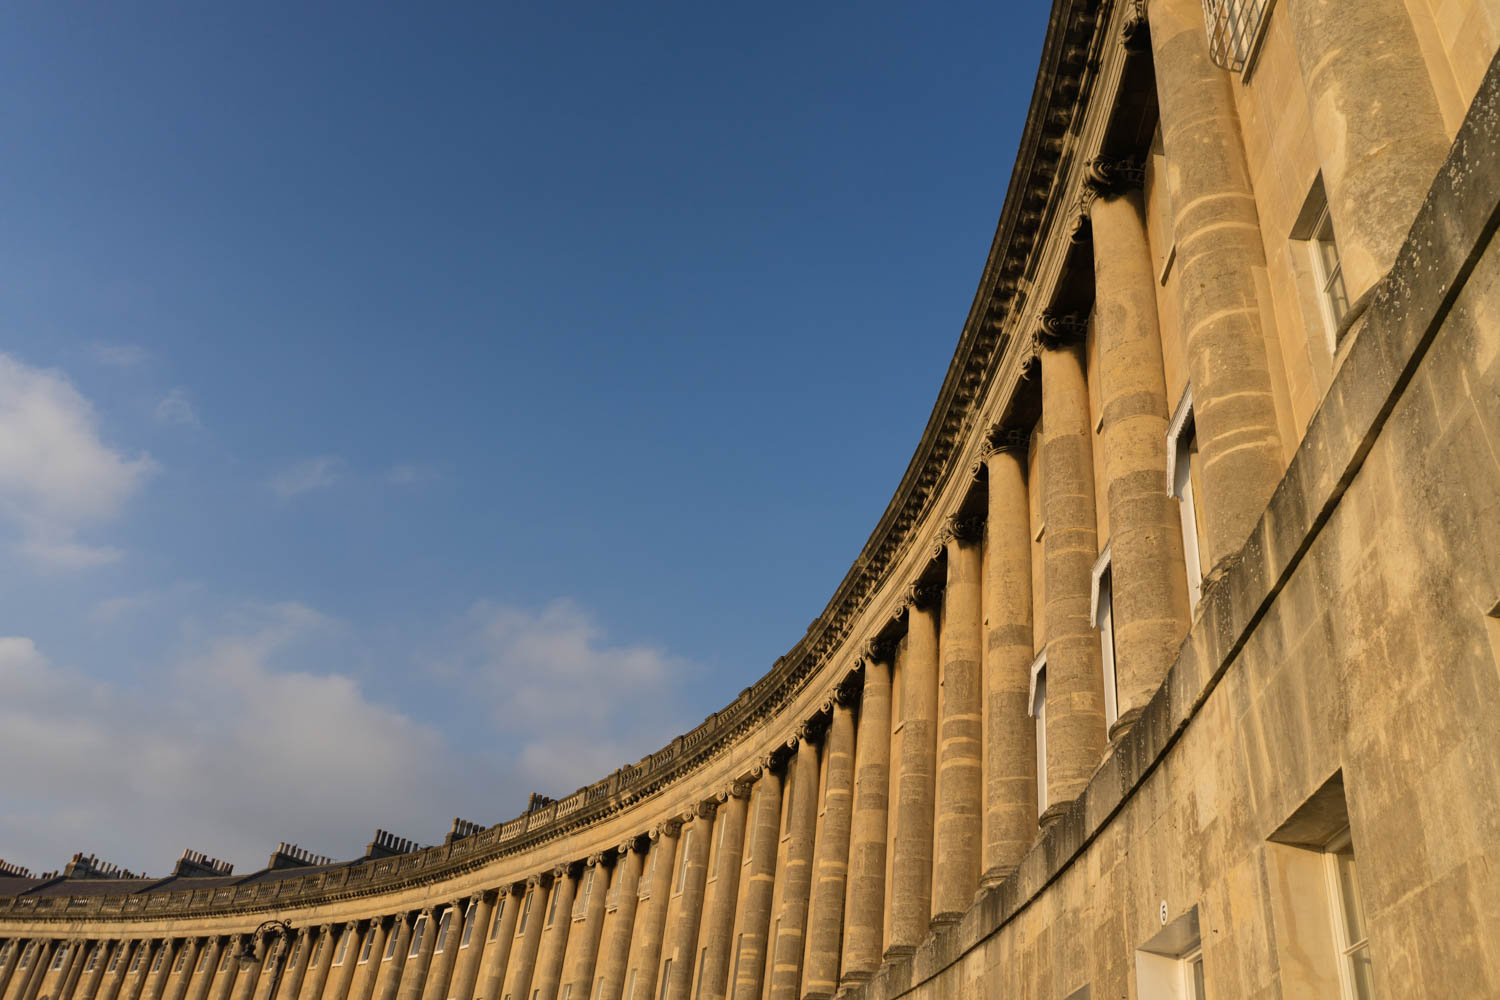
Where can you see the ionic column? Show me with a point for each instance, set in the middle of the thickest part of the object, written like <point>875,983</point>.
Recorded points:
<point>440,968</point>
<point>1219,253</point>
<point>39,970</point>
<point>179,985</point>
<point>555,932</point>
<point>414,969</point>
<point>354,933</point>
<point>684,948</point>
<point>653,916</point>
<point>319,961</point>
<point>497,958</point>
<point>1070,544</point>
<point>957,832</point>
<point>224,980</point>
<point>202,984</point>
<point>290,985</point>
<point>796,892</point>
<point>10,958</point>
<point>523,964</point>
<point>393,972</point>
<point>759,889</point>
<point>156,981</point>
<point>1010,734</point>
<point>911,869</point>
<point>248,980</point>
<point>1376,124</point>
<point>825,919</point>
<point>90,988</point>
<point>583,942</point>
<point>381,928</point>
<point>718,922</point>
<point>1150,603</point>
<point>626,887</point>
<point>864,911</point>
<point>466,972</point>
<point>72,969</point>
<point>109,988</point>
<point>273,968</point>
<point>135,984</point>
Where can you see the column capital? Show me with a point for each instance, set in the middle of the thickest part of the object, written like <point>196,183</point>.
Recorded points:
<point>1057,329</point>
<point>739,789</point>
<point>637,844</point>
<point>1135,32</point>
<point>1110,177</point>
<point>959,529</point>
<point>706,809</point>
<point>923,595</point>
<point>666,828</point>
<point>878,649</point>
<point>1001,439</point>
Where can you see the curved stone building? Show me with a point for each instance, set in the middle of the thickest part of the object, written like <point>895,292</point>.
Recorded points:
<point>1170,670</point>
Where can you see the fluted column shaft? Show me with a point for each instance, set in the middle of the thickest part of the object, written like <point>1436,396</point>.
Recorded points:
<point>497,957</point>
<point>1075,686</point>
<point>718,923</point>
<point>466,971</point>
<point>11,960</point>
<point>1376,124</point>
<point>825,919</point>
<point>759,889</point>
<point>1010,735</point>
<point>796,892</point>
<point>319,960</point>
<point>1219,253</point>
<point>583,941</point>
<point>40,969</point>
<point>415,967</point>
<point>626,888</point>
<point>699,838</point>
<point>1145,538</point>
<point>523,963</point>
<point>354,933</point>
<point>652,918</point>
<point>440,968</point>
<point>864,913</point>
<point>555,933</point>
<point>90,987</point>
<point>911,869</point>
<point>957,832</point>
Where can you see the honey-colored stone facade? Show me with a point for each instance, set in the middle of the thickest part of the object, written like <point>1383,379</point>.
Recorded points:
<point>1172,669</point>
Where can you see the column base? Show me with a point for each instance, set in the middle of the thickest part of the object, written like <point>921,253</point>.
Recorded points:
<point>896,952</point>
<point>817,995</point>
<point>1123,725</point>
<point>995,876</point>
<point>1053,813</point>
<point>855,978</point>
<point>947,919</point>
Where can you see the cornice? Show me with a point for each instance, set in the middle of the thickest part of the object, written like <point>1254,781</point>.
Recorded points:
<point>994,351</point>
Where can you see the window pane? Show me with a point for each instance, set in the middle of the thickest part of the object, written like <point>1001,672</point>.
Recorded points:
<point>1200,990</point>
<point>1354,920</point>
<point>1360,973</point>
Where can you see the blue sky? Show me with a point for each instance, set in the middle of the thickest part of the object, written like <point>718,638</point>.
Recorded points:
<point>407,407</point>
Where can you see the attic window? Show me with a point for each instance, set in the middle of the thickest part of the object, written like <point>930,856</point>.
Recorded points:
<point>1234,30</point>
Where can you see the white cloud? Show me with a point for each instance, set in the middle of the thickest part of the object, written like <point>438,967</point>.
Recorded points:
<point>56,473</point>
<point>305,476</point>
<point>176,408</point>
<point>123,606</point>
<point>552,675</point>
<point>117,355</point>
<point>230,749</point>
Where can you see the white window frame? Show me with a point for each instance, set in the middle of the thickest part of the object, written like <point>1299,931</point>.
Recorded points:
<point>181,960</point>
<point>342,951</point>
<point>1344,948</point>
<point>1037,709</point>
<point>495,919</point>
<point>666,976</point>
<point>135,959</point>
<point>155,961</point>
<point>682,866</point>
<point>114,961</point>
<point>552,897</point>
<point>1102,614</point>
<point>468,932</point>
<point>1234,43</point>
<point>1180,486</point>
<point>317,953</point>
<point>392,940</point>
<point>444,923</point>
<point>1326,280</point>
<point>1164,966</point>
<point>525,913</point>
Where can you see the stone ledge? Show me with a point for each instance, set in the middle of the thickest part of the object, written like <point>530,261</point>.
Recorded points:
<point>1452,230</point>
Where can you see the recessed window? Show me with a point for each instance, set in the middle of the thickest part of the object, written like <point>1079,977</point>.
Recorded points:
<point>629,986</point>
<point>702,962</point>
<point>567,991</point>
<point>734,971</point>
<point>155,962</point>
<point>525,913</point>
<point>114,961</point>
<point>442,931</point>
<point>296,953</point>
<point>223,962</point>
<point>580,910</point>
<point>317,952</point>
<point>1234,30</point>
<point>552,904</point>
<point>392,942</point>
<point>495,918</point>
<point>1182,483</point>
<point>463,939</point>
<point>682,867</point>
<point>1170,965</point>
<point>1103,613</point>
<point>369,946</point>
<point>135,959</point>
<point>1350,936</point>
<point>181,959</point>
<point>1038,704</point>
<point>93,959</point>
<point>417,931</point>
<point>343,948</point>
<point>666,973</point>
